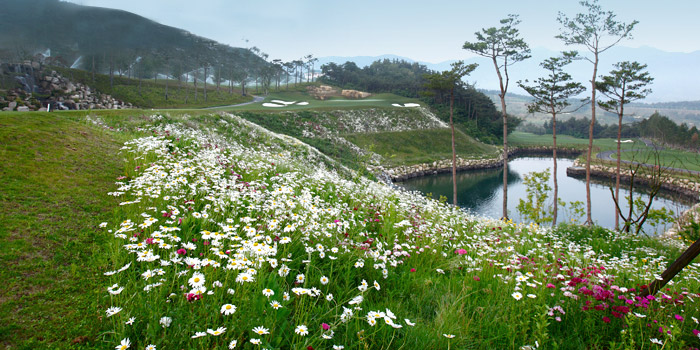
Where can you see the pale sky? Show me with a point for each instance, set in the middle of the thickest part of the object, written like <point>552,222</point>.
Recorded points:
<point>431,31</point>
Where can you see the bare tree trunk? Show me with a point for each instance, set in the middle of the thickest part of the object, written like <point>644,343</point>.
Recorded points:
<point>554,171</point>
<point>111,72</point>
<point>205,83</point>
<point>684,260</point>
<point>589,219</point>
<point>505,140</point>
<point>617,172</point>
<point>454,152</point>
<point>195,87</point>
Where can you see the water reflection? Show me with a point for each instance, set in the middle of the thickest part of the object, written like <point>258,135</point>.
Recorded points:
<point>482,191</point>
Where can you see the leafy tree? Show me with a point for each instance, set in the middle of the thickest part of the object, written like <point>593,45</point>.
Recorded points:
<point>504,47</point>
<point>590,29</point>
<point>537,189</point>
<point>448,81</point>
<point>551,95</point>
<point>626,83</point>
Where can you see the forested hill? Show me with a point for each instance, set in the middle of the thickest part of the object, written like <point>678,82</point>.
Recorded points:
<point>117,38</point>
<point>474,112</point>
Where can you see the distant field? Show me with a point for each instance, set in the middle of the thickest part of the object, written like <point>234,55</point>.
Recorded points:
<point>519,138</point>
<point>151,94</point>
<point>421,146</point>
<point>374,101</point>
<point>672,158</point>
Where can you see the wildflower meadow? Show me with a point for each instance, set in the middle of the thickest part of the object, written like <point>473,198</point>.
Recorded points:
<point>228,236</point>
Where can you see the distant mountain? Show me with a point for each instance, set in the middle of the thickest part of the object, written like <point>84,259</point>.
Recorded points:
<point>675,74</point>
<point>67,31</point>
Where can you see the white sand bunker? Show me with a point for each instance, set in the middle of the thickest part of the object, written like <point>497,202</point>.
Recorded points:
<point>626,141</point>
<point>405,105</point>
<point>280,103</point>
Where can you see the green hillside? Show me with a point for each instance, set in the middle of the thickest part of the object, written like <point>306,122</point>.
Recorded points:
<point>196,230</point>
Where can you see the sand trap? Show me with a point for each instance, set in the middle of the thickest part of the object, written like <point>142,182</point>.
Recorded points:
<point>283,102</point>
<point>626,141</point>
<point>409,105</point>
<point>280,103</point>
<point>368,100</point>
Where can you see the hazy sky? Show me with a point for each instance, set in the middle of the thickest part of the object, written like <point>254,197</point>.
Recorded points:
<point>431,31</point>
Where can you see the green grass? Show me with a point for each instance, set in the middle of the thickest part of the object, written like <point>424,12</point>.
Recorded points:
<point>421,146</point>
<point>55,172</point>
<point>57,169</point>
<point>151,94</point>
<point>668,157</point>
<point>673,158</point>
<point>519,138</point>
<point>384,100</point>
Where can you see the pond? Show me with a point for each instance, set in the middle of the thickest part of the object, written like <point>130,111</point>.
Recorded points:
<point>481,191</point>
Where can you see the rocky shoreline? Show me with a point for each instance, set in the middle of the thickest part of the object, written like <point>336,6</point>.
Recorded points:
<point>403,173</point>
<point>41,90</point>
<point>684,187</point>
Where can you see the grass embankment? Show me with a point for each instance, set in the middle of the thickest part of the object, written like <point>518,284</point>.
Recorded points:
<point>384,100</point>
<point>519,138</point>
<point>669,157</point>
<point>55,172</point>
<point>633,151</point>
<point>151,94</point>
<point>224,234</point>
<point>421,146</point>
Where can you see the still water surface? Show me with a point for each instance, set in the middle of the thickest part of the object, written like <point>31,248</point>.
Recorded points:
<point>481,191</point>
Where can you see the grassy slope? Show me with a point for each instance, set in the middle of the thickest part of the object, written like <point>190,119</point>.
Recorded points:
<point>55,173</point>
<point>520,138</point>
<point>421,146</point>
<point>297,94</point>
<point>152,93</point>
<point>672,158</point>
<point>54,196</point>
<point>398,148</point>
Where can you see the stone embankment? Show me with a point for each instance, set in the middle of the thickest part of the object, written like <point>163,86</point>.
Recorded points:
<point>688,216</point>
<point>37,89</point>
<point>402,173</point>
<point>685,187</point>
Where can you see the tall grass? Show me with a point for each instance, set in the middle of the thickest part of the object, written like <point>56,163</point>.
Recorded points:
<point>215,211</point>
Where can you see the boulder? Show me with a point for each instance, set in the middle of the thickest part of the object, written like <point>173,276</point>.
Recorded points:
<point>12,105</point>
<point>22,109</point>
<point>354,94</point>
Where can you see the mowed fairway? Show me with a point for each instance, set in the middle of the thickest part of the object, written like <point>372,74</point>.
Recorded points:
<point>55,174</point>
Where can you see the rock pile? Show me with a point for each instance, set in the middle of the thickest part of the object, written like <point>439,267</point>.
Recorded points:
<point>354,94</point>
<point>38,91</point>
<point>322,92</point>
<point>685,187</point>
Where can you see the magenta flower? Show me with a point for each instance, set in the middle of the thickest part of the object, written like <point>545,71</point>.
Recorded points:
<point>182,251</point>
<point>476,278</point>
<point>461,251</point>
<point>679,318</point>
<point>413,270</point>
<point>325,326</point>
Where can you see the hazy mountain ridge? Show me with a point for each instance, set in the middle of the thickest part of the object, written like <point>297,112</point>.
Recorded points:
<point>28,27</point>
<point>675,74</point>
